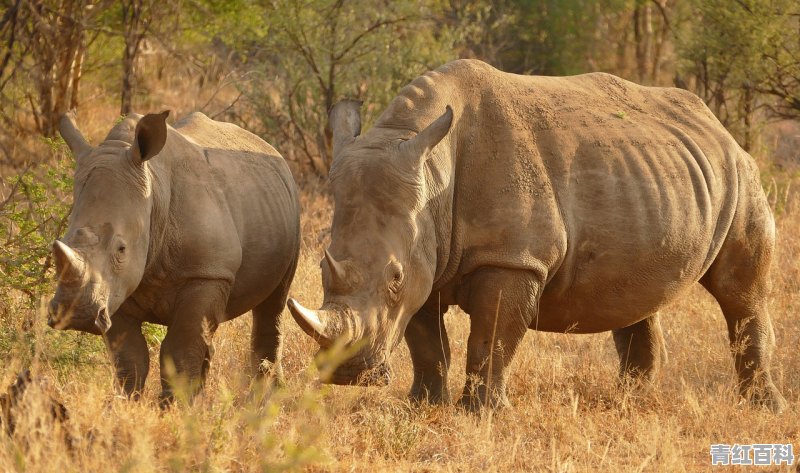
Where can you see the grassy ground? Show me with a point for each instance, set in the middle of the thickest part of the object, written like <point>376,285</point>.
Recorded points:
<point>568,413</point>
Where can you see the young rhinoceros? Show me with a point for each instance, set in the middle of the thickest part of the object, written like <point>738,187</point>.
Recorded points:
<point>187,227</point>
<point>565,204</point>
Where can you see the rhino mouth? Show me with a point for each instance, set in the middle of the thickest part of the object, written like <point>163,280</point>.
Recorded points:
<point>60,319</point>
<point>360,374</point>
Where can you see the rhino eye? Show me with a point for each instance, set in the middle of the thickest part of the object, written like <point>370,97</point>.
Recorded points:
<point>395,274</point>
<point>121,255</point>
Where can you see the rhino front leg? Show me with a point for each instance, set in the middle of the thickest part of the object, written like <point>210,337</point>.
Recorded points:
<point>186,351</point>
<point>430,354</point>
<point>129,354</point>
<point>501,304</point>
<point>640,347</point>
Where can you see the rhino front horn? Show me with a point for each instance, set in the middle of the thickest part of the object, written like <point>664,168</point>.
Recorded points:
<point>311,323</point>
<point>69,265</point>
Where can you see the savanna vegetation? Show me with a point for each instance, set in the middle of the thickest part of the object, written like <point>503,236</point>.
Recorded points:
<point>274,67</point>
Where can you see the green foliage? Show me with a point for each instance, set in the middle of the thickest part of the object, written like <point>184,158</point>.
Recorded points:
<point>239,25</point>
<point>738,50</point>
<point>318,51</point>
<point>154,334</point>
<point>550,37</point>
<point>34,214</point>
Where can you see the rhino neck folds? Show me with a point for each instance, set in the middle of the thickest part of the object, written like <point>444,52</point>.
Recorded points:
<point>159,201</point>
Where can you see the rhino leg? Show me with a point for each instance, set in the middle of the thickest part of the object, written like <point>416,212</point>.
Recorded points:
<point>265,340</point>
<point>186,350</point>
<point>501,304</point>
<point>739,281</point>
<point>430,355</point>
<point>129,353</point>
<point>639,347</point>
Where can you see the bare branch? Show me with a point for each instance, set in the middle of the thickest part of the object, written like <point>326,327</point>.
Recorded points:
<point>366,33</point>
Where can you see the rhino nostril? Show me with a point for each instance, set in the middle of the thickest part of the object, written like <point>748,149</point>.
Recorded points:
<point>52,313</point>
<point>102,321</point>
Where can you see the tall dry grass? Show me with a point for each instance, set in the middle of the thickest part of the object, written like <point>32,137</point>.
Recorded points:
<point>568,412</point>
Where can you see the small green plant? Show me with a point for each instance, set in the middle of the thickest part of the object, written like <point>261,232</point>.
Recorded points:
<point>33,214</point>
<point>620,114</point>
<point>154,334</point>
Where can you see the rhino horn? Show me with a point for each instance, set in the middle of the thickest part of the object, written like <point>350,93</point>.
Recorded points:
<point>72,136</point>
<point>326,326</point>
<point>336,270</point>
<point>417,148</point>
<point>311,323</point>
<point>344,121</point>
<point>69,265</point>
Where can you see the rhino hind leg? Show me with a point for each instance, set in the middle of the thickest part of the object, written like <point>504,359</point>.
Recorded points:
<point>501,304</point>
<point>265,339</point>
<point>640,348</point>
<point>430,355</point>
<point>186,351</point>
<point>739,281</point>
<point>129,354</point>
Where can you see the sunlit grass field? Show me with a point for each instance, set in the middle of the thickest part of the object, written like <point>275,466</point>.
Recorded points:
<point>568,414</point>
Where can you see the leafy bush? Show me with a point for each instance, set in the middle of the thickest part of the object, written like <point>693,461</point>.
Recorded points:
<point>34,213</point>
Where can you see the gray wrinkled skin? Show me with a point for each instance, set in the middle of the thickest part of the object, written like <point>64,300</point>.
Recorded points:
<point>577,204</point>
<point>187,227</point>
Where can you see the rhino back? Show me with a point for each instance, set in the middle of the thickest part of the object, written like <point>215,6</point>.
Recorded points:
<point>646,183</point>
<point>619,195</point>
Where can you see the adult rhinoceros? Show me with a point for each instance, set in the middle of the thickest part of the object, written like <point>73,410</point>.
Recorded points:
<point>187,227</point>
<point>576,204</point>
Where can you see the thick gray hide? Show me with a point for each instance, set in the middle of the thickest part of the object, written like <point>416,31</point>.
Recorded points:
<point>566,204</point>
<point>189,235</point>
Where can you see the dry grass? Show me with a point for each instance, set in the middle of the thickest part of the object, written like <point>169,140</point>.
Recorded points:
<point>568,414</point>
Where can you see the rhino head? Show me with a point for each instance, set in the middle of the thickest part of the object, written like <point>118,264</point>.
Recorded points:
<point>379,268</point>
<point>101,258</point>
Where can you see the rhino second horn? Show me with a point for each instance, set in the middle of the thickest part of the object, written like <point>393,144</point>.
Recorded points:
<point>69,265</point>
<point>72,136</point>
<point>336,270</point>
<point>310,322</point>
<point>344,121</point>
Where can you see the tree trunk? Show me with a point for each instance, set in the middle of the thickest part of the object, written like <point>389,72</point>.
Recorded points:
<point>77,70</point>
<point>748,117</point>
<point>642,32</point>
<point>56,44</point>
<point>132,22</point>
<point>660,40</point>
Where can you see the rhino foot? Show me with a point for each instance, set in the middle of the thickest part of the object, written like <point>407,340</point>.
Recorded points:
<point>270,372</point>
<point>768,397</point>
<point>419,395</point>
<point>476,398</point>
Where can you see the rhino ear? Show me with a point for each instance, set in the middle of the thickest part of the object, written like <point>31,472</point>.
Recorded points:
<point>72,136</point>
<point>150,136</point>
<point>344,121</point>
<point>417,148</point>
